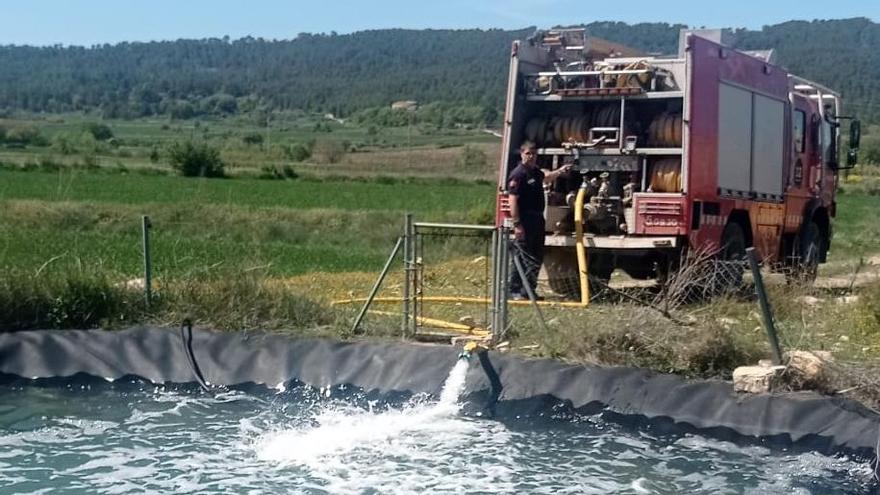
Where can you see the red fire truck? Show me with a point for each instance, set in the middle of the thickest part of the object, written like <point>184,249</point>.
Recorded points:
<point>713,148</point>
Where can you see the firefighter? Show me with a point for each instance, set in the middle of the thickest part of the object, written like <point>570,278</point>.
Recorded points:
<point>526,191</point>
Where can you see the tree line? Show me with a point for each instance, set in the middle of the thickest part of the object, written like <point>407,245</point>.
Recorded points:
<point>463,70</point>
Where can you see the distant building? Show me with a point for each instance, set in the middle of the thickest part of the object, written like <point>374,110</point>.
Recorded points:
<point>405,105</point>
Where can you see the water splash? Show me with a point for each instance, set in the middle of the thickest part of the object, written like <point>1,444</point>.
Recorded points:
<point>115,438</point>
<point>342,428</point>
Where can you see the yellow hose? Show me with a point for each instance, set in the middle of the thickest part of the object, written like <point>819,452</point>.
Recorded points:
<point>447,325</point>
<point>462,300</point>
<point>579,245</point>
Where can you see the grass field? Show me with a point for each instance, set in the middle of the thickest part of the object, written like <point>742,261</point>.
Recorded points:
<point>417,197</point>
<point>215,226</point>
<point>248,253</point>
<point>141,144</point>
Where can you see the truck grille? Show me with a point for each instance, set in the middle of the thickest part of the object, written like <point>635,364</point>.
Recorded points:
<point>657,208</point>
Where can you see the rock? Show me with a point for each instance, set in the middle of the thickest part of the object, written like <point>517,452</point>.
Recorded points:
<point>874,260</point>
<point>844,338</point>
<point>809,300</point>
<point>847,299</point>
<point>757,379</point>
<point>809,367</point>
<point>133,284</point>
<point>727,323</point>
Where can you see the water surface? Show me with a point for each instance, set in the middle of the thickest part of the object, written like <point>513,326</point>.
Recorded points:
<point>132,437</point>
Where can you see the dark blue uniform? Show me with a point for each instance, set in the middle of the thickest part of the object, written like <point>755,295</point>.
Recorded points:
<point>527,183</point>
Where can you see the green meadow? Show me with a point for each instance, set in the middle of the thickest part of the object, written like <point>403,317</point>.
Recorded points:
<point>215,226</point>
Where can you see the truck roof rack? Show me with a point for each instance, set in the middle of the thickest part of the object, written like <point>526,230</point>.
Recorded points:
<point>577,40</point>
<point>810,89</point>
<point>815,91</point>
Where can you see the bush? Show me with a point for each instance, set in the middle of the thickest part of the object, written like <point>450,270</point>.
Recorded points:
<point>63,143</point>
<point>23,135</point>
<point>328,151</point>
<point>252,138</point>
<point>277,172</point>
<point>298,152</point>
<point>472,158</point>
<point>196,160</point>
<point>101,132</point>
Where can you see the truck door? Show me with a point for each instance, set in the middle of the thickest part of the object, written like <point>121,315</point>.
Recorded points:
<point>804,163</point>
<point>827,168</point>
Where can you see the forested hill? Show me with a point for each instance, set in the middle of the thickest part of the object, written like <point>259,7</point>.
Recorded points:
<point>346,73</point>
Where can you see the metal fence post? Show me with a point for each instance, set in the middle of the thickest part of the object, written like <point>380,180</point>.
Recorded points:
<point>376,285</point>
<point>517,263</point>
<point>503,277</point>
<point>766,311</point>
<point>148,279</point>
<point>407,271</point>
<point>495,300</point>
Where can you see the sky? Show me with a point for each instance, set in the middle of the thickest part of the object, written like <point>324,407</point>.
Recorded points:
<point>88,22</point>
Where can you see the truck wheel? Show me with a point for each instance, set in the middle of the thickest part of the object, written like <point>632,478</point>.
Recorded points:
<point>600,269</point>
<point>809,251</point>
<point>641,272</point>
<point>560,265</point>
<point>729,275</point>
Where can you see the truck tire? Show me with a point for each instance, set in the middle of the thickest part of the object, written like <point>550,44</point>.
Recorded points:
<point>600,269</point>
<point>560,265</point>
<point>809,246</point>
<point>731,257</point>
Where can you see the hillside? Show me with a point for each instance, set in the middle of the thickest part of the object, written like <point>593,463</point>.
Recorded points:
<point>346,73</point>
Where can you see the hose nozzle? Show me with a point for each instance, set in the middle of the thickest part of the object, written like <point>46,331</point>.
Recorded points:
<point>469,349</point>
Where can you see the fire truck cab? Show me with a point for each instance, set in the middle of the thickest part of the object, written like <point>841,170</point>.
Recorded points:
<point>712,148</point>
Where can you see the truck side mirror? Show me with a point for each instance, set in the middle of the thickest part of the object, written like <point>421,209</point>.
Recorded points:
<point>852,157</point>
<point>855,135</point>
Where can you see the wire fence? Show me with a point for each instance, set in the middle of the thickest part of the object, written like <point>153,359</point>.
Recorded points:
<point>456,280</point>
<point>453,278</point>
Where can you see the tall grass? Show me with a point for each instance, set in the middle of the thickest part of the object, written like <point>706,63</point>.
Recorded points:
<point>90,300</point>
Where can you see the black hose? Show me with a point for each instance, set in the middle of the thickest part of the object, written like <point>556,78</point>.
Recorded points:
<point>186,340</point>
<point>495,385</point>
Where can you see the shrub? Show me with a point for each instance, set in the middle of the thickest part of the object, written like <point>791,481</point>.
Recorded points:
<point>196,160</point>
<point>23,135</point>
<point>277,172</point>
<point>472,158</point>
<point>63,143</point>
<point>101,132</point>
<point>328,151</point>
<point>298,152</point>
<point>252,138</point>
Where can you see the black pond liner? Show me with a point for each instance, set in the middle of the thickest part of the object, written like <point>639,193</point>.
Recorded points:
<point>497,384</point>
